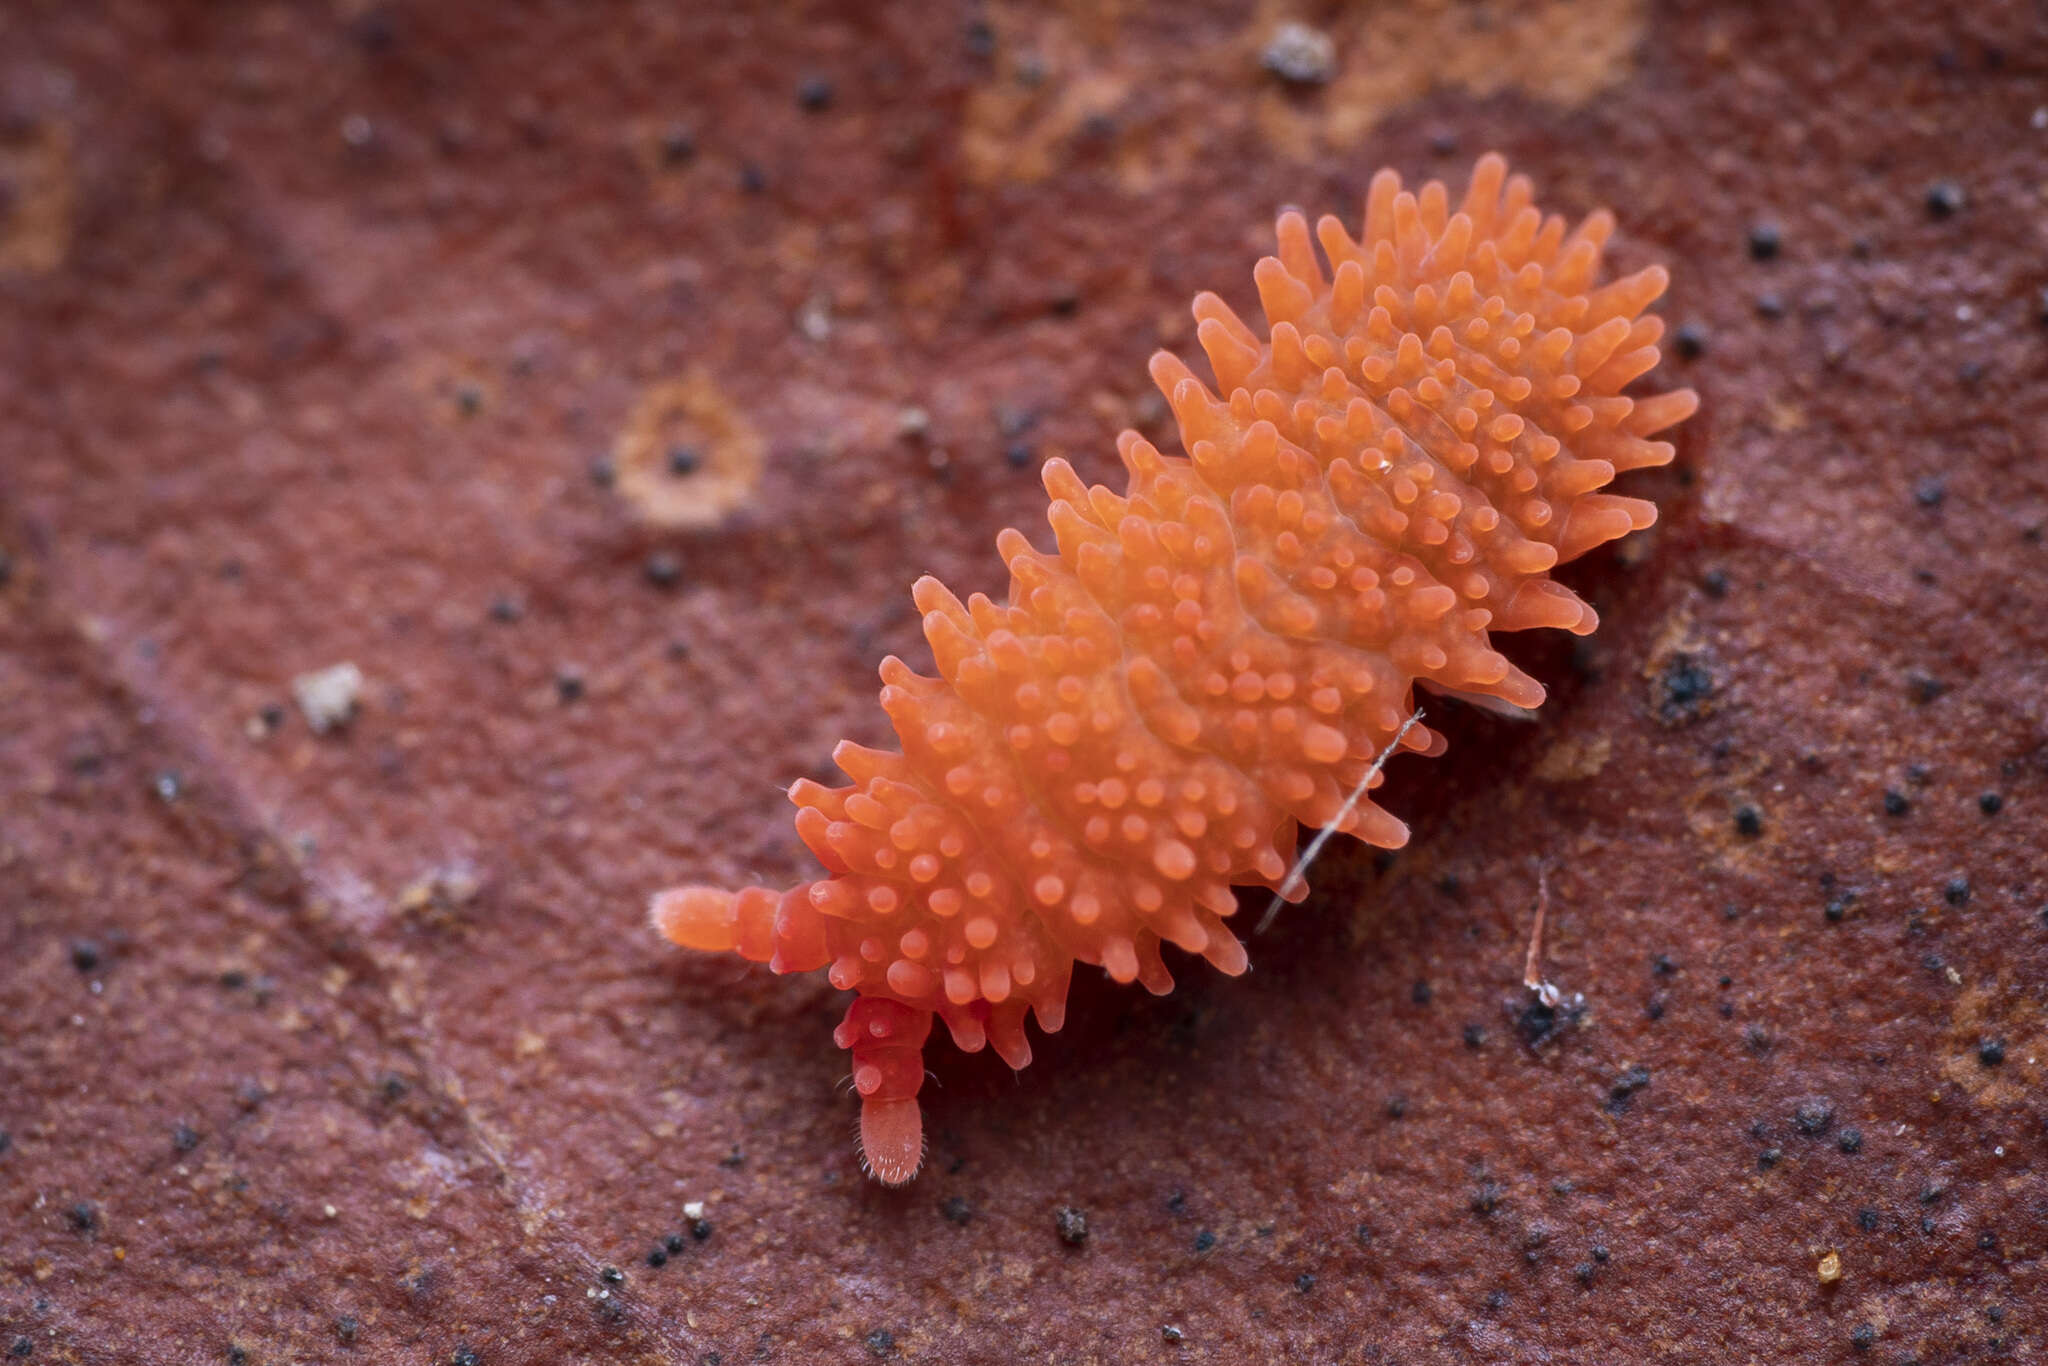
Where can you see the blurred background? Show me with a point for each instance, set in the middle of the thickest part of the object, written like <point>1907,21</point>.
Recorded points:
<point>458,463</point>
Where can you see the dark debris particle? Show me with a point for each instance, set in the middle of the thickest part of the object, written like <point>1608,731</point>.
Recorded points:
<point>1987,1241</point>
<point>568,686</point>
<point>753,180</point>
<point>1065,301</point>
<point>1770,305</point>
<point>980,37</point>
<point>881,1342</point>
<point>184,1138</point>
<point>85,955</point>
<point>814,94</point>
<point>1991,1052</point>
<point>1764,241</point>
<point>1864,1337</point>
<point>1838,906</point>
<point>1583,1273</point>
<point>1475,1036</point>
<point>611,1275</point>
<point>1990,803</point>
<point>1714,583</point>
<point>1850,1141</point>
<point>672,1244</point>
<point>1305,1282</point>
<point>1486,1199</point>
<point>1957,892</point>
<point>463,1356</point>
<point>663,569</point>
<point>700,1229</point>
<point>657,1257</point>
<point>1496,1300</point>
<point>1866,1219</point>
<point>1686,685</point>
<point>84,1218</point>
<point>506,608</point>
<point>1662,965</point>
<point>1397,1106</point>
<point>1420,993</point>
<point>1204,1241</point>
<point>1749,822</point>
<point>1945,199</point>
<point>1690,341</point>
<point>22,1347</point>
<point>684,461</point>
<point>1071,1224</point>
<point>1020,455</point>
<point>346,1327</point>
<point>1813,1117</point>
<point>603,472</point>
<point>1931,491</point>
<point>469,400</point>
<point>1624,1088</point>
<point>956,1210</point>
<point>1895,802</point>
<point>1769,1158</point>
<point>1757,1038</point>
<point>678,145</point>
<point>238,1356</point>
<point>1169,1333</point>
<point>736,1158</point>
<point>1363,1235</point>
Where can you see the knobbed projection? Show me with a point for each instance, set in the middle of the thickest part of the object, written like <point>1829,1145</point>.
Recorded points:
<point>1216,656</point>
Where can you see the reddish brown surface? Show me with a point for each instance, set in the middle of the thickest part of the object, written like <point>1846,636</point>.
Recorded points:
<point>282,395</point>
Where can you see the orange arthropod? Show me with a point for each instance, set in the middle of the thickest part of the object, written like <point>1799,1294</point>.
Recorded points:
<point>1218,654</point>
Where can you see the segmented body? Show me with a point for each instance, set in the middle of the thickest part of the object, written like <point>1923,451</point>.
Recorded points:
<point>1215,656</point>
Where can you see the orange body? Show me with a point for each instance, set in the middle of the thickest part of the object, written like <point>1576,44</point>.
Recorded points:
<point>1215,657</point>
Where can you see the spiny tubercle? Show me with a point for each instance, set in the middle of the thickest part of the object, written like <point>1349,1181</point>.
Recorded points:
<point>1215,656</point>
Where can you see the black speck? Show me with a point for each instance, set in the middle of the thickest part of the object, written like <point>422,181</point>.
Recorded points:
<point>506,608</point>
<point>700,1229</point>
<point>1363,1235</point>
<point>672,1244</point>
<point>1169,1333</point>
<point>1945,199</point>
<point>735,1158</point>
<point>1475,1037</point>
<point>956,1210</point>
<point>1990,803</point>
<point>1486,1199</point>
<point>85,955</point>
<point>1957,892</point>
<point>1583,1273</point>
<point>611,1275</point>
<point>463,1356</point>
<point>1204,1241</point>
<point>1714,583</point>
<point>1769,1158</point>
<point>1020,455</point>
<point>237,1357</point>
<point>1600,1253</point>
<point>1686,685</point>
<point>1866,1219</point>
<point>1690,341</point>
<point>1922,688</point>
<point>1177,1203</point>
<point>469,400</point>
<point>1065,301</point>
<point>1930,492</point>
<point>603,472</point>
<point>1420,993</point>
<point>1770,305</point>
<point>1496,1300</point>
<point>1397,1106</point>
<point>1850,1141</point>
<point>678,145</point>
<point>1813,1117</point>
<point>184,1138</point>
<point>1305,1282</point>
<point>684,461</point>
<point>753,179</point>
<point>1991,1052</point>
<point>657,1256</point>
<point>1662,965</point>
<point>663,569</point>
<point>1749,822</point>
<point>1757,1038</point>
<point>881,1342</point>
<point>981,38</point>
<point>22,1347</point>
<point>1071,1224</point>
<point>84,1218</point>
<point>568,686</point>
<point>814,94</point>
<point>1625,1086</point>
<point>1864,1336</point>
<point>1443,142</point>
<point>1838,906</point>
<point>1895,803</point>
<point>1764,241</point>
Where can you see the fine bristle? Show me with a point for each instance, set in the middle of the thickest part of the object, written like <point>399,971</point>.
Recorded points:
<point>1217,654</point>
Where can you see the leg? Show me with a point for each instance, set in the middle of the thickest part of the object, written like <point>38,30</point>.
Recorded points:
<point>886,1039</point>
